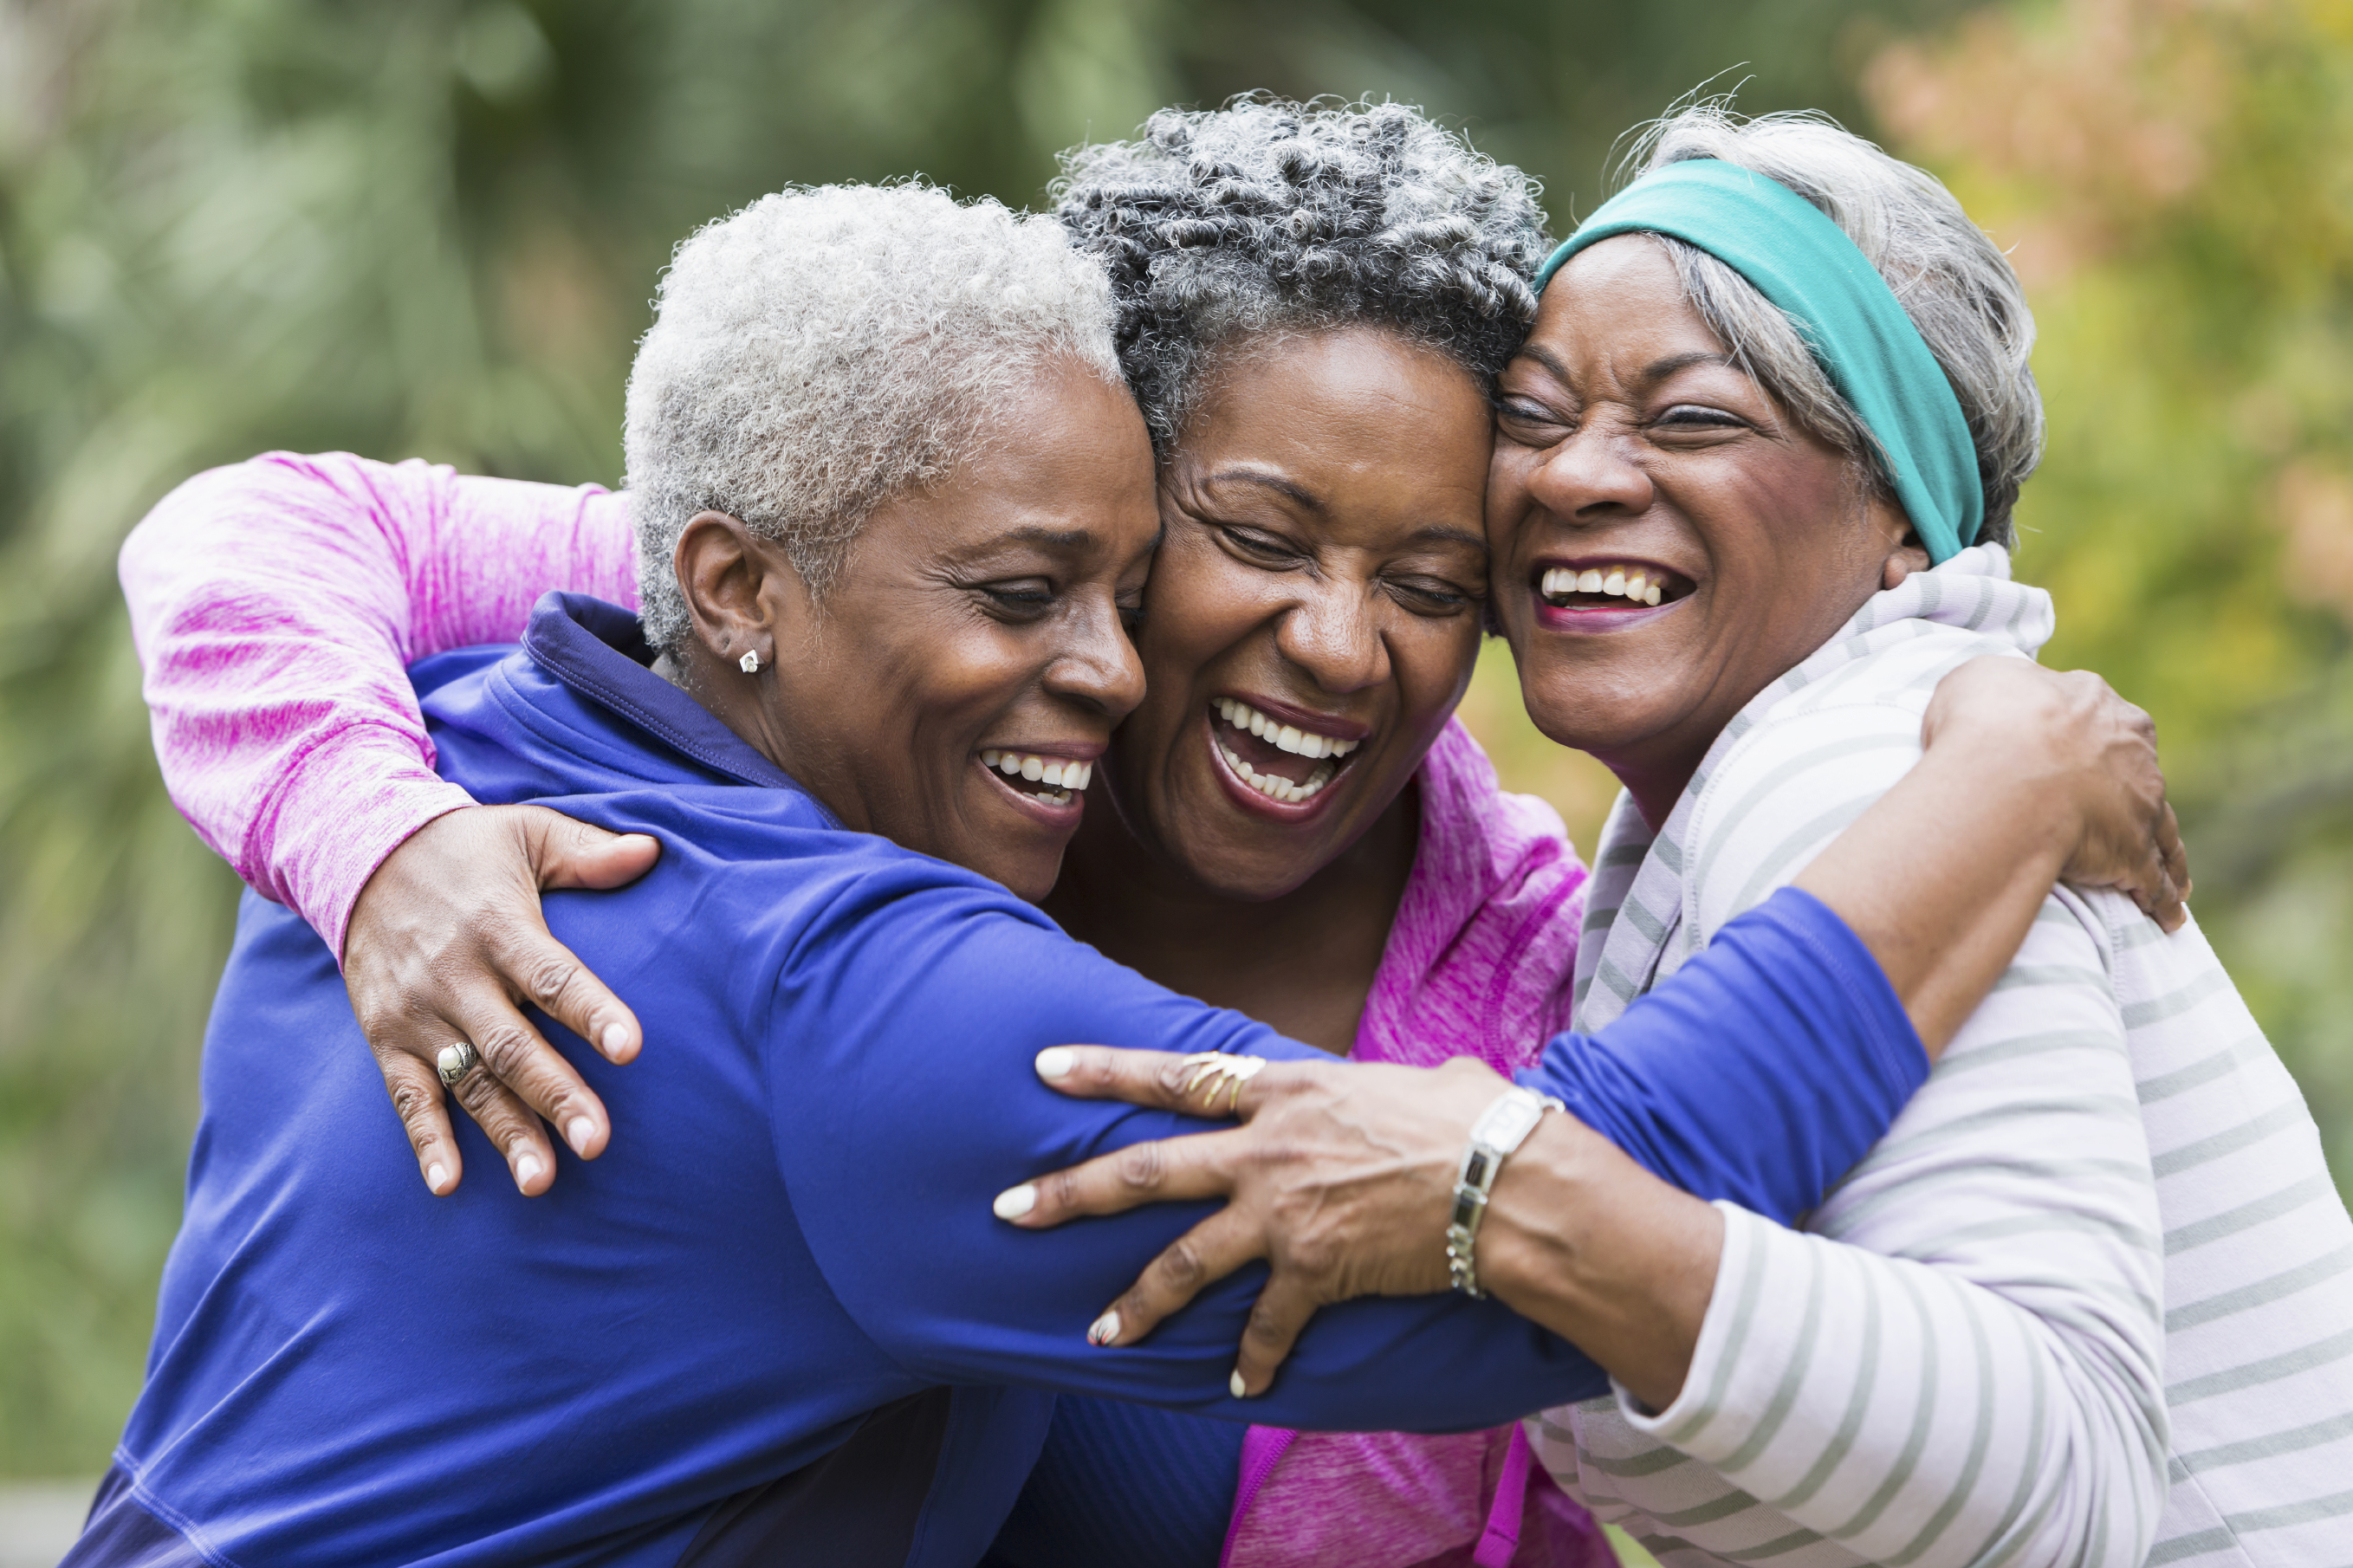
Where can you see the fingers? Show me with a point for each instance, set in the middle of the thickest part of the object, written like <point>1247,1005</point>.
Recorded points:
<point>1275,1323</point>
<point>568,853</point>
<point>415,1093</point>
<point>511,1127</point>
<point>535,1073</point>
<point>1194,1261</point>
<point>1165,1081</point>
<point>1166,1170</point>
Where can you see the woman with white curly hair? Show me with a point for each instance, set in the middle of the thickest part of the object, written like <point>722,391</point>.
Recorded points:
<point>1312,304</point>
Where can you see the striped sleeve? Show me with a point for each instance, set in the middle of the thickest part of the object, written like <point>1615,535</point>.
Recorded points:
<point>1962,1363</point>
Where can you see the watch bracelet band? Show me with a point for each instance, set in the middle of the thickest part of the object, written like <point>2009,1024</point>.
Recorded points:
<point>1500,1129</point>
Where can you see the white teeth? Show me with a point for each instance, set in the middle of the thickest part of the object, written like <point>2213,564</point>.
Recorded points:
<point>1059,778</point>
<point>1286,737</point>
<point>1275,787</point>
<point>1630,583</point>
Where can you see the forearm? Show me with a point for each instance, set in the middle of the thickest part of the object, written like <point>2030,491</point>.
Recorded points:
<point>1941,878</point>
<point>1583,1241</point>
<point>276,605</point>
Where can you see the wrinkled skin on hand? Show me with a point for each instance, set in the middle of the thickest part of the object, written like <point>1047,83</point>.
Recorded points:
<point>2094,751</point>
<point>1340,1177</point>
<point>447,943</point>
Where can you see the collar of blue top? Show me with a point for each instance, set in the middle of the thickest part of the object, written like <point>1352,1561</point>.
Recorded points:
<point>1858,332</point>
<point>599,651</point>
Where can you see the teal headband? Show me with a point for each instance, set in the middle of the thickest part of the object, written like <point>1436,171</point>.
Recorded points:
<point>1869,348</point>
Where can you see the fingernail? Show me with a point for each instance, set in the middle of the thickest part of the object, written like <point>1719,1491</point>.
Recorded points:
<point>1015,1202</point>
<point>527,1170</point>
<point>437,1177</point>
<point>577,1132</point>
<point>614,1040</point>
<point>1055,1062</point>
<point>1235,1386</point>
<point>1103,1330</point>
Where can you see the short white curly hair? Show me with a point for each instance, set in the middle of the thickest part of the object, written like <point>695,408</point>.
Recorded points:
<point>827,349</point>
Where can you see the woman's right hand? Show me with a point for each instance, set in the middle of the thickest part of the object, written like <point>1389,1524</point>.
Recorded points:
<point>447,943</point>
<point>2095,755</point>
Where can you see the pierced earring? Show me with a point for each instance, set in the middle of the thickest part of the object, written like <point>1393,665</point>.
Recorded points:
<point>749,663</point>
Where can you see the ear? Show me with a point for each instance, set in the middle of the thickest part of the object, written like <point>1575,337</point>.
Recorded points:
<point>738,588</point>
<point>1906,553</point>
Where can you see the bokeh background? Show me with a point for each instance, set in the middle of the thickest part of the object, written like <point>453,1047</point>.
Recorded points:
<point>431,226</point>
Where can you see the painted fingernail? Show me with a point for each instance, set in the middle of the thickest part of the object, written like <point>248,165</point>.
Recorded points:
<point>1015,1202</point>
<point>527,1170</point>
<point>1055,1062</point>
<point>437,1177</point>
<point>577,1132</point>
<point>614,1040</point>
<point>1235,1386</point>
<point>1103,1330</point>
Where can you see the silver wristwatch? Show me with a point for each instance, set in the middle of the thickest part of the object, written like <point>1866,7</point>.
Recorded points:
<point>1501,1128</point>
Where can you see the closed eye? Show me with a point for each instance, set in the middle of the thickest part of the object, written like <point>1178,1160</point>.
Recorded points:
<point>1024,598</point>
<point>1259,549</point>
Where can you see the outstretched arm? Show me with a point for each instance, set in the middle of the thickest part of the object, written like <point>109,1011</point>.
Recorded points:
<point>1344,1179</point>
<point>276,605</point>
<point>918,1013</point>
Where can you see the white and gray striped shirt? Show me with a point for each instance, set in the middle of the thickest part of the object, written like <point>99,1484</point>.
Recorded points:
<point>2091,1299</point>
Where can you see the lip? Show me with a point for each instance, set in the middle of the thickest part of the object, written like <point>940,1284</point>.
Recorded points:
<point>1249,799</point>
<point>1330,724</point>
<point>1062,819</point>
<point>1599,618</point>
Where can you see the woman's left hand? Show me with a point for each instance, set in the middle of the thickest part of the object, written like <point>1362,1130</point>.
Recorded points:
<point>1341,1176</point>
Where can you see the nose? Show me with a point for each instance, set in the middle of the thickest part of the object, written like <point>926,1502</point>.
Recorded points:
<point>1099,667</point>
<point>1333,634</point>
<point>1591,475</point>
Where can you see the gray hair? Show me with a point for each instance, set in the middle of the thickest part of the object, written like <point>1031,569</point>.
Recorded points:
<point>826,350</point>
<point>1272,216</point>
<point>1950,279</point>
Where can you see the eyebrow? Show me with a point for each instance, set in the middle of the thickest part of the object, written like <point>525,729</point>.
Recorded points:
<point>1659,370</point>
<point>1275,482</point>
<point>1449,534</point>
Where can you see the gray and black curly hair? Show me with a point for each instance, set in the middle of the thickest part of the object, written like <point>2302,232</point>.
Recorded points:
<point>1272,216</point>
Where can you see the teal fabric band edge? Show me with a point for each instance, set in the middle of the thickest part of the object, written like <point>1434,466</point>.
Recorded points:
<point>1805,263</point>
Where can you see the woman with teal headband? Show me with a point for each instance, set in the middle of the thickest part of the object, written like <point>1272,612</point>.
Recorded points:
<point>1751,497</point>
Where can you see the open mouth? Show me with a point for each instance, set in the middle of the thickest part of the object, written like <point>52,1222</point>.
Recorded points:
<point>1610,585</point>
<point>1287,764</point>
<point>1050,781</point>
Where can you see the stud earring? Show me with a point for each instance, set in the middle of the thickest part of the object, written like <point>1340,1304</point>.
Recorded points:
<point>749,663</point>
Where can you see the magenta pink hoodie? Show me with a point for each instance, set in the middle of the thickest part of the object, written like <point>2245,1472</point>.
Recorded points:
<point>276,605</point>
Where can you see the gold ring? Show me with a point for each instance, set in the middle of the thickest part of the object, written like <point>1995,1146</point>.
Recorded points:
<point>1221,1069</point>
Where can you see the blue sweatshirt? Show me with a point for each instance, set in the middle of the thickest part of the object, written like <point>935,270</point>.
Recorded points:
<point>779,1312</point>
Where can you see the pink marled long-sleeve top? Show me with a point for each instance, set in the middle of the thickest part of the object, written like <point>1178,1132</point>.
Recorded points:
<point>277,603</point>
<point>277,606</point>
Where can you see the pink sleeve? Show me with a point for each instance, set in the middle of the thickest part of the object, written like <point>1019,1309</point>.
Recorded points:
<point>276,605</point>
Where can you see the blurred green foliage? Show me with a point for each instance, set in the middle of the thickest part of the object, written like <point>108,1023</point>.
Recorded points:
<point>430,227</point>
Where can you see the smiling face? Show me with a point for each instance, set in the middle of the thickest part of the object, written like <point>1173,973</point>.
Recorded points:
<point>1314,614</point>
<point>1667,543</point>
<point>974,624</point>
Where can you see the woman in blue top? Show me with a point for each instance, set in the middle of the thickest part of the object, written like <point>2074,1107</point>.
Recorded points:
<point>905,521</point>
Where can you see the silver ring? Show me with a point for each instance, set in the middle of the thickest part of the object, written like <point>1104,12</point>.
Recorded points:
<point>1221,1069</point>
<point>455,1061</point>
